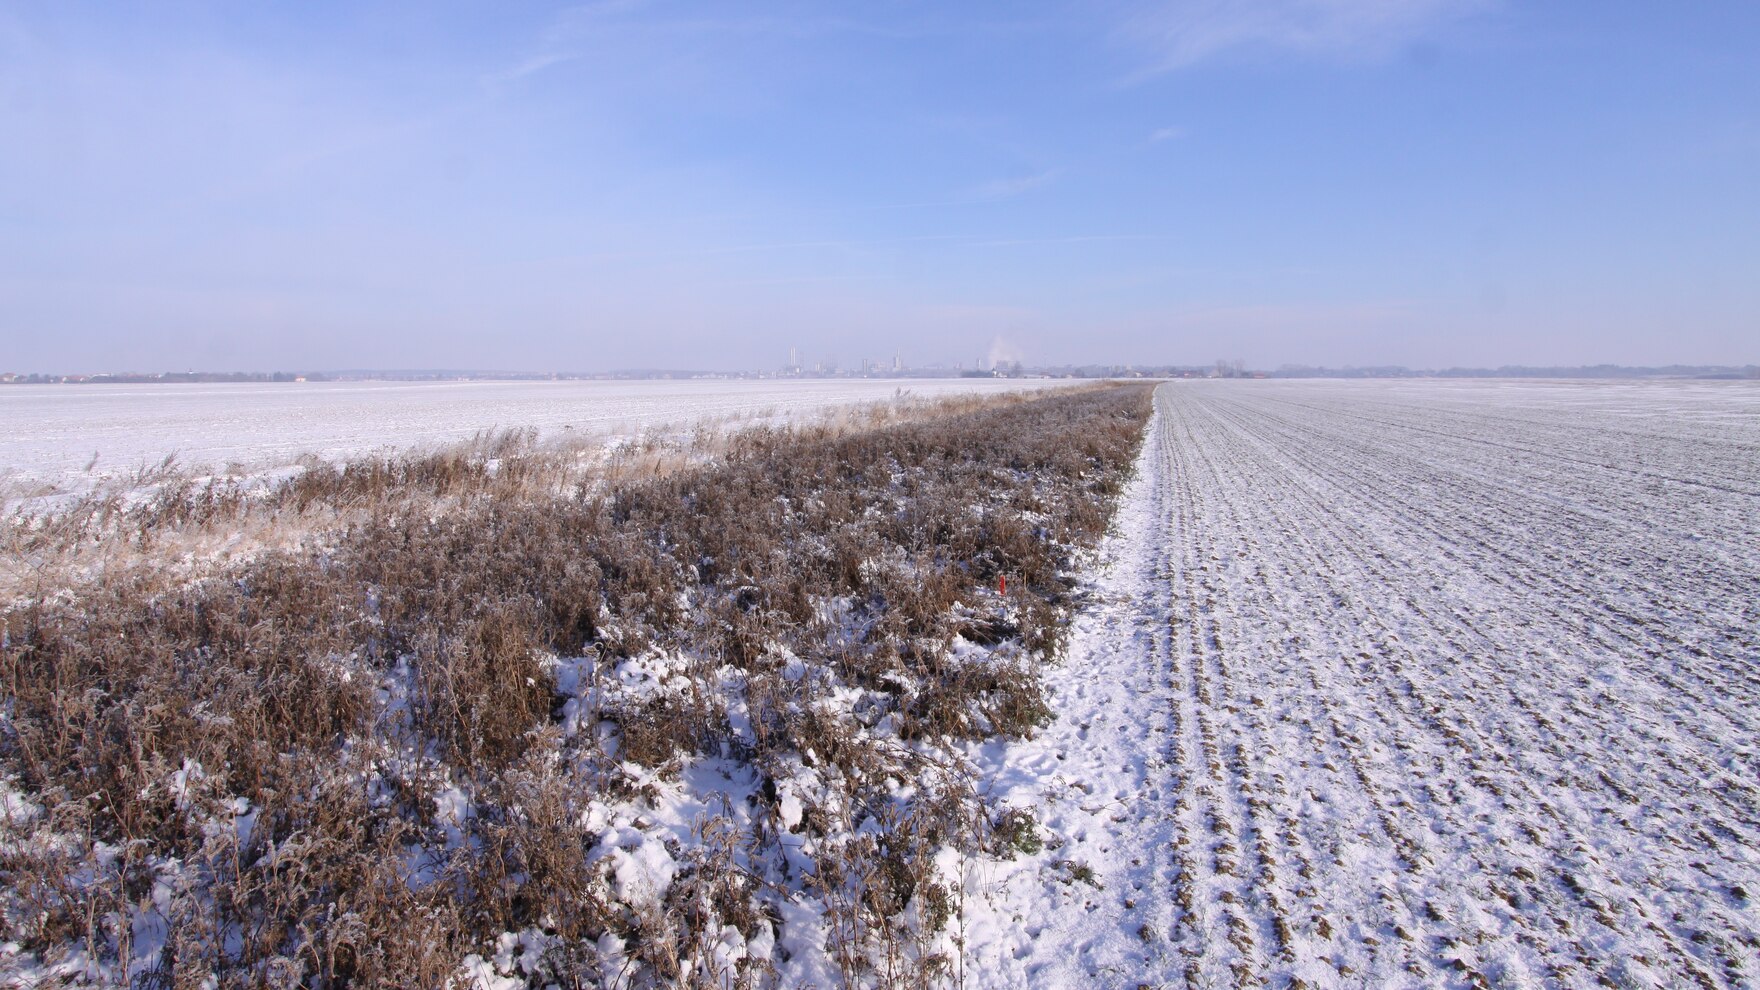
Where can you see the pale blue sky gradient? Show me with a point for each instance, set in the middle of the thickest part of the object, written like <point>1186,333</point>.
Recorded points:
<point>630,184</point>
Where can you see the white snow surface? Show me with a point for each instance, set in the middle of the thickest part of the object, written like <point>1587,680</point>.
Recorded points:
<point>1402,685</point>
<point>1379,684</point>
<point>49,434</point>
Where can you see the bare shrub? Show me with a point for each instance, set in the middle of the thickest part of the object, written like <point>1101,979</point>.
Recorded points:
<point>346,758</point>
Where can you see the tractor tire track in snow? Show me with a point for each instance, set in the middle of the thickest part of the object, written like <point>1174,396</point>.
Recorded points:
<point>1447,686</point>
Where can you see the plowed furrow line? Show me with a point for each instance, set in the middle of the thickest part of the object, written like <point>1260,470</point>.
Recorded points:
<point>1722,466</point>
<point>1220,901</point>
<point>1700,704</point>
<point>1599,642</point>
<point>1389,653</point>
<point>1429,793</point>
<point>1540,805</point>
<point>1602,553</point>
<point>1452,712</point>
<point>1408,696</point>
<point>1386,919</point>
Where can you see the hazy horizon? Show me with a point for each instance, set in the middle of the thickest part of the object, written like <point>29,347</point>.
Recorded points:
<point>1230,368</point>
<point>1434,183</point>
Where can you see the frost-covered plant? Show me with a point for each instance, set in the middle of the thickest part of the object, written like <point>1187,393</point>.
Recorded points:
<point>357,760</point>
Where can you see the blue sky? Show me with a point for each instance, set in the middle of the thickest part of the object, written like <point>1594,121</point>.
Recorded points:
<point>638,184</point>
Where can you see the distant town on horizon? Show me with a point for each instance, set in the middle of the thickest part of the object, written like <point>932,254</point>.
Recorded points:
<point>875,370</point>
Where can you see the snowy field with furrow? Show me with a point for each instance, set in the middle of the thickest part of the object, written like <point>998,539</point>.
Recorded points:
<point>1405,684</point>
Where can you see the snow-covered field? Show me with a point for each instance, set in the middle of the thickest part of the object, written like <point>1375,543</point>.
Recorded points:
<point>69,438</point>
<point>1380,684</point>
<point>1405,684</point>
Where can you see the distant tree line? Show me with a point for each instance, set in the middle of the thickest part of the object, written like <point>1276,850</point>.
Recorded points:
<point>136,378</point>
<point>1702,371</point>
<point>1008,369</point>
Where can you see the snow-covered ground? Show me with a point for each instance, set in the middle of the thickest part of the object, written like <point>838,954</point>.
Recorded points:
<point>1405,684</point>
<point>68,438</point>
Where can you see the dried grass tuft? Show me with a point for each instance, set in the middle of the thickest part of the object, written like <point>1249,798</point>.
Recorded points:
<point>258,752</point>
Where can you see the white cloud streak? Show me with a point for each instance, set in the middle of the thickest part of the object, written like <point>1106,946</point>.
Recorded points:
<point>1013,186</point>
<point>1183,33</point>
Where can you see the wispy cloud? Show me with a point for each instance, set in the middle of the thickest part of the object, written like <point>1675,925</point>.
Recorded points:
<point>1166,134</point>
<point>591,19</point>
<point>1184,32</point>
<point>532,65</point>
<point>843,243</point>
<point>807,279</point>
<point>1005,188</point>
<point>1071,239</point>
<point>951,241</point>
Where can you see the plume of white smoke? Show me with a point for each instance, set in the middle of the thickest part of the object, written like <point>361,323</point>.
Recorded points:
<point>1002,353</point>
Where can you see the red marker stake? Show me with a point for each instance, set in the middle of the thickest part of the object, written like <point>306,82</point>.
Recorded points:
<point>1002,584</point>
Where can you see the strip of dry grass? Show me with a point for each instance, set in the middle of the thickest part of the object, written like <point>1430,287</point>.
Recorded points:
<point>245,769</point>
<point>171,522</point>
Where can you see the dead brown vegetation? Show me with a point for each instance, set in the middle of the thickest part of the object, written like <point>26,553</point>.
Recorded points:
<point>253,755</point>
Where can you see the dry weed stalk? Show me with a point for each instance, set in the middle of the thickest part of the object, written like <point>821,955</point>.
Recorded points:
<point>264,761</point>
